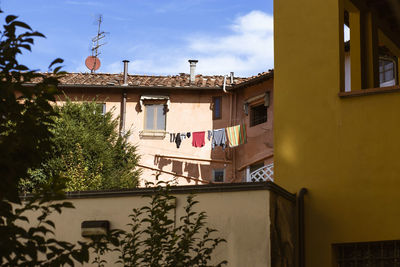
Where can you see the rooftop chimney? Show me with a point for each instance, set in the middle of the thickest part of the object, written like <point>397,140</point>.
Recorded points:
<point>125,72</point>
<point>193,63</point>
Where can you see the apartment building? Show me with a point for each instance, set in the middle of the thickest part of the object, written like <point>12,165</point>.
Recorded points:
<point>155,110</point>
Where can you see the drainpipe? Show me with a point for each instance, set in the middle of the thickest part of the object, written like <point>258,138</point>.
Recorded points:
<point>124,97</point>
<point>300,228</point>
<point>224,85</point>
<point>230,121</point>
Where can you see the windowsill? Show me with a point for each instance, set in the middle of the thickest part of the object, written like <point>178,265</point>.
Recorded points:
<point>153,133</point>
<point>255,125</point>
<point>371,91</point>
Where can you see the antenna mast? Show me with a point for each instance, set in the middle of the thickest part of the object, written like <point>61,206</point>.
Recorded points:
<point>96,43</point>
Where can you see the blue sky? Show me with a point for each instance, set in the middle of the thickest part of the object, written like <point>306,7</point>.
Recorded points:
<point>157,36</point>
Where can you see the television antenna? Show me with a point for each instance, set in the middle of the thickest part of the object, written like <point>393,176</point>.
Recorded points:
<point>92,62</point>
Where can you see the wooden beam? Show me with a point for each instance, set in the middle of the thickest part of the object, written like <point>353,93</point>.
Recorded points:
<point>196,159</point>
<point>175,174</point>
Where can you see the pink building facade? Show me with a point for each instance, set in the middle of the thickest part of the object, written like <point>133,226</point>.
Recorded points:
<point>155,109</point>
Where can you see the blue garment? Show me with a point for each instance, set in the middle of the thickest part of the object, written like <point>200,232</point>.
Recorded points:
<point>218,138</point>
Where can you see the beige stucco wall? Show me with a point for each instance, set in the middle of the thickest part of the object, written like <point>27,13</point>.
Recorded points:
<point>189,111</point>
<point>242,218</point>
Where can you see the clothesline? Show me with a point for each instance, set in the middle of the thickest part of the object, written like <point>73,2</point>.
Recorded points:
<point>233,136</point>
<point>192,131</point>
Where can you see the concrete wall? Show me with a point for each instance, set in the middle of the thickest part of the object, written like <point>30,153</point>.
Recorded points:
<point>343,150</point>
<point>240,212</point>
<point>283,231</point>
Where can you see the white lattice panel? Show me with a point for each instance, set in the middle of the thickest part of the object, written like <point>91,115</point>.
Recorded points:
<point>263,174</point>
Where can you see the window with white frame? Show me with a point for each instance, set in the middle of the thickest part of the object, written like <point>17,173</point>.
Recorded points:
<point>101,107</point>
<point>155,117</point>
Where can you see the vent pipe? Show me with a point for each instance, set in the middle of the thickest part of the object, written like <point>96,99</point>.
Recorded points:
<point>193,63</point>
<point>232,76</point>
<point>123,100</point>
<point>125,72</point>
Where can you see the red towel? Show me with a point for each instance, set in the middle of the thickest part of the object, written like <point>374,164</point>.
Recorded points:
<point>198,139</point>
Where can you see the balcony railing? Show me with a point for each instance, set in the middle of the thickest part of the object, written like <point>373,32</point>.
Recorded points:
<point>263,174</point>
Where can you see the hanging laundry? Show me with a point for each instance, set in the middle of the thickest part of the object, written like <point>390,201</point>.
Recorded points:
<point>209,135</point>
<point>171,137</point>
<point>183,136</point>
<point>218,138</point>
<point>236,135</point>
<point>188,134</point>
<point>178,140</point>
<point>199,139</point>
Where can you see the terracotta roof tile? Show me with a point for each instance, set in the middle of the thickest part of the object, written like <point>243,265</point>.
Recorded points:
<point>181,80</point>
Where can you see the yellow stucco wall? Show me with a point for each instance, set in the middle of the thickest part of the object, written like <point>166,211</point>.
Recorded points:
<point>241,217</point>
<point>343,150</point>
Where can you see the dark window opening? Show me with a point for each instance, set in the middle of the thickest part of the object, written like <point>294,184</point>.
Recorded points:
<point>258,114</point>
<point>218,175</point>
<point>382,253</point>
<point>256,166</point>
<point>217,107</point>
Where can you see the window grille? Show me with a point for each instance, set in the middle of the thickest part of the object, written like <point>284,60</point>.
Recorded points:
<point>218,175</point>
<point>371,254</point>
<point>258,115</point>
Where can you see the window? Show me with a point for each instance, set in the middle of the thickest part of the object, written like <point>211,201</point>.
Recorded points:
<point>218,175</point>
<point>258,114</point>
<point>154,117</point>
<point>382,253</point>
<point>387,71</point>
<point>217,107</point>
<point>256,166</point>
<point>101,107</point>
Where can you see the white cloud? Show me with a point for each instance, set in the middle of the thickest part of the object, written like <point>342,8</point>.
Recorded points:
<point>255,21</point>
<point>246,49</point>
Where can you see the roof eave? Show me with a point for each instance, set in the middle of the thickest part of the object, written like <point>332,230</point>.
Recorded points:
<point>98,86</point>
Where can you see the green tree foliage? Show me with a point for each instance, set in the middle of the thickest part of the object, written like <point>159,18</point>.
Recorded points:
<point>155,239</point>
<point>88,150</point>
<point>26,122</point>
<point>26,115</point>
